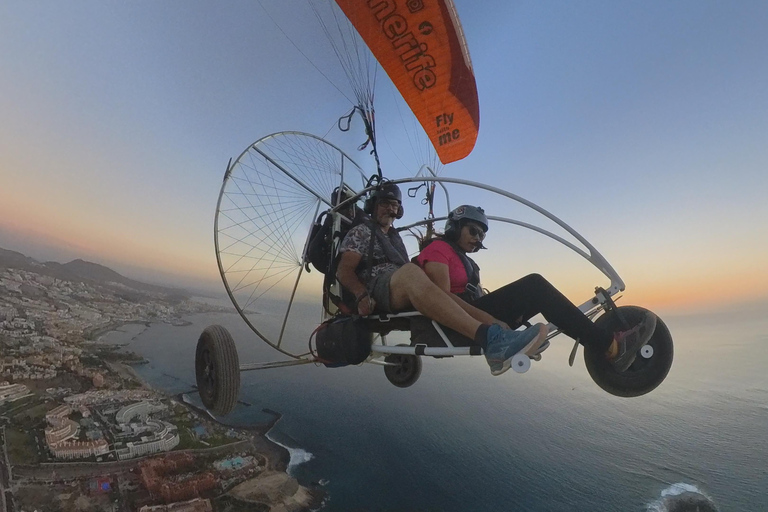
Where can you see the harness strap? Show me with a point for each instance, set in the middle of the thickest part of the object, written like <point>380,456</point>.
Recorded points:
<point>391,244</point>
<point>470,267</point>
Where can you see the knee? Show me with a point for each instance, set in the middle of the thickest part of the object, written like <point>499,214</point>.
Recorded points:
<point>536,279</point>
<point>408,273</point>
<point>411,277</point>
<point>412,271</point>
<point>537,283</point>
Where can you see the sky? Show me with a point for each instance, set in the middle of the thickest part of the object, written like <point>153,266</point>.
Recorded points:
<point>644,125</point>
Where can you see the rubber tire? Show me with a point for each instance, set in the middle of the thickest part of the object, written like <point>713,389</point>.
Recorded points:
<point>404,371</point>
<point>645,374</point>
<point>217,370</point>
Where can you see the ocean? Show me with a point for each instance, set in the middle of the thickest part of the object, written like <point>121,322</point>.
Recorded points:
<point>547,440</point>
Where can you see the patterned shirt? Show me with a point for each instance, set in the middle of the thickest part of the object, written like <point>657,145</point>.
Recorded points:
<point>358,240</point>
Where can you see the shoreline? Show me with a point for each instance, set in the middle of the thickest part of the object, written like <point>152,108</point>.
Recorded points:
<point>127,371</point>
<point>94,333</point>
<point>261,428</point>
<point>258,433</point>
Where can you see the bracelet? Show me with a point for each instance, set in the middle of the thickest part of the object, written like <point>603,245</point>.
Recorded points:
<point>361,297</point>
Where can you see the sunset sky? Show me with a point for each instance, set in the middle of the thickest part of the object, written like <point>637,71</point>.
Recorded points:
<point>642,124</point>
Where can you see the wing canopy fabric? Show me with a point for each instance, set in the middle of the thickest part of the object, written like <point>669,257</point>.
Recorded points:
<point>421,46</point>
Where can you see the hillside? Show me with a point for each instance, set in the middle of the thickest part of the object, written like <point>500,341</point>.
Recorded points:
<point>83,271</point>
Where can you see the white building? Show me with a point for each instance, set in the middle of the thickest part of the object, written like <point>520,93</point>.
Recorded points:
<point>60,432</point>
<point>11,392</point>
<point>80,449</point>
<point>140,409</point>
<point>164,438</point>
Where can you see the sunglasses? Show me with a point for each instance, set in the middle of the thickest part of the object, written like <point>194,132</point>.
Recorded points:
<point>476,232</point>
<point>389,204</point>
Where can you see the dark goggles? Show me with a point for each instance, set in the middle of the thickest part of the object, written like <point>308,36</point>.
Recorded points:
<point>476,232</point>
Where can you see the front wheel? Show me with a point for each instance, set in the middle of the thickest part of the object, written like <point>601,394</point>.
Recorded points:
<point>402,370</point>
<point>649,369</point>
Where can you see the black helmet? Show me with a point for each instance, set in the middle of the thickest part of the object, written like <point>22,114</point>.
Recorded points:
<point>465,212</point>
<point>388,190</point>
<point>385,190</point>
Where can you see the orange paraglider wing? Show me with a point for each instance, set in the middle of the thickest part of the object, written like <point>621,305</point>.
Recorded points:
<point>422,48</point>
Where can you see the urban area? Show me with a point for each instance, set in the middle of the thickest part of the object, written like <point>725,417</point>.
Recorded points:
<point>79,430</point>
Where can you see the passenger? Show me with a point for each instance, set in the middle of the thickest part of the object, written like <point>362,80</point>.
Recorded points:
<point>447,265</point>
<point>374,266</point>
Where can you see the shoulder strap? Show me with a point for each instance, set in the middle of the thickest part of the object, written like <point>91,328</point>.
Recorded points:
<point>470,267</point>
<point>369,259</point>
<point>472,291</point>
<point>391,244</point>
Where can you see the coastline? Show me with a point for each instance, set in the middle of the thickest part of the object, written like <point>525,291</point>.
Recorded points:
<point>127,370</point>
<point>260,428</point>
<point>279,456</point>
<point>94,333</point>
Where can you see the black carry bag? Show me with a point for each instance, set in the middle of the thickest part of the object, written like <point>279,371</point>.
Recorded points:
<point>342,341</point>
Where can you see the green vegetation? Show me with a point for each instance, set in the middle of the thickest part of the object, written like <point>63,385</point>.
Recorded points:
<point>11,408</point>
<point>131,384</point>
<point>91,361</point>
<point>33,414</point>
<point>39,411</point>
<point>187,440</point>
<point>182,418</point>
<point>21,446</point>
<point>220,440</point>
<point>113,356</point>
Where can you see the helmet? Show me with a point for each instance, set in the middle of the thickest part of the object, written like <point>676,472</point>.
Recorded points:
<point>462,214</point>
<point>385,190</point>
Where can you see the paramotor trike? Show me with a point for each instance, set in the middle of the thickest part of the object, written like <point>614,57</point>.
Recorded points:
<point>270,200</point>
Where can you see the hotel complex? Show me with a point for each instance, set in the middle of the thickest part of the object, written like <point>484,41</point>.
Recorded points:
<point>146,436</point>
<point>11,392</point>
<point>58,437</point>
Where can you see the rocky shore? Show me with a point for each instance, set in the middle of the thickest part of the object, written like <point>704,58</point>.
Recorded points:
<point>280,491</point>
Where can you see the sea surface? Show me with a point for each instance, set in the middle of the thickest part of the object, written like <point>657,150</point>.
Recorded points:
<point>548,440</point>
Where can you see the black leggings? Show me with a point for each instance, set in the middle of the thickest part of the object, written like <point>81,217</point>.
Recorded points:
<point>518,302</point>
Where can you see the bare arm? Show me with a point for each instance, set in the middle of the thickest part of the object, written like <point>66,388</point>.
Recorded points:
<point>346,272</point>
<point>349,280</point>
<point>438,274</point>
